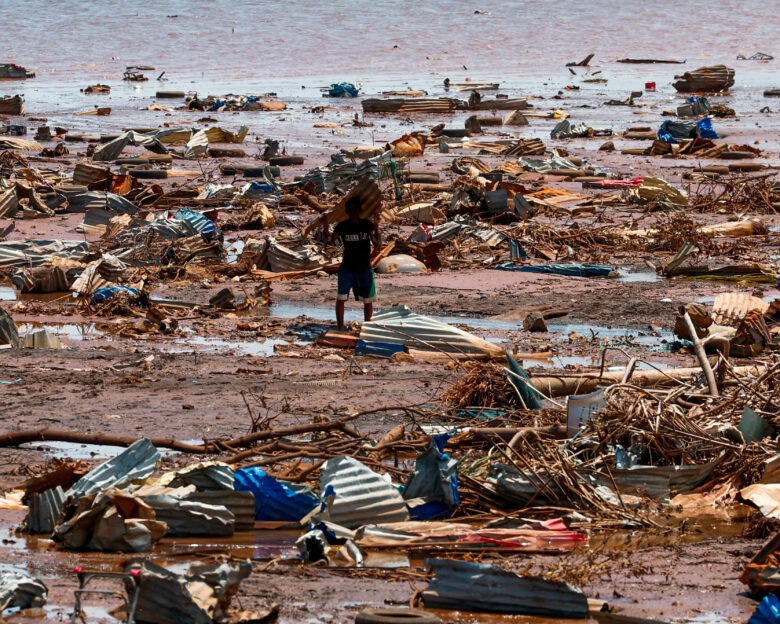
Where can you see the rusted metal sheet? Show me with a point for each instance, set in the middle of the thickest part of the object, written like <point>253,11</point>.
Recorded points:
<point>85,174</point>
<point>282,259</point>
<point>12,105</point>
<point>409,106</point>
<point>762,573</point>
<point>730,308</point>
<point>468,586</point>
<point>708,79</point>
<point>356,495</point>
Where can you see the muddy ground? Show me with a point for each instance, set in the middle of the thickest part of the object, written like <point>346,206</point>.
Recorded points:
<point>201,378</point>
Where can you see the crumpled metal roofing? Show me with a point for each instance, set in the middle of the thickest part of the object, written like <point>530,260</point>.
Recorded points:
<point>341,170</point>
<point>356,495</point>
<point>468,586</point>
<point>730,308</point>
<point>282,258</point>
<point>399,325</point>
<point>137,461</point>
<point>31,253</point>
<point>45,509</point>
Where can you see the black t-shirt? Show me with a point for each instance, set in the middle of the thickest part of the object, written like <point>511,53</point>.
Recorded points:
<point>357,243</point>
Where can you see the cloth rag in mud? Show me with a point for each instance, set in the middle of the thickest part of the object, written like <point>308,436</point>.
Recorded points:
<point>19,590</point>
<point>656,189</point>
<point>568,270</point>
<point>274,499</point>
<point>108,292</point>
<point>468,586</point>
<point>435,480</point>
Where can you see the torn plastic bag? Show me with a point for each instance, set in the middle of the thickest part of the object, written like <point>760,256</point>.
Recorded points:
<point>767,611</point>
<point>275,500</point>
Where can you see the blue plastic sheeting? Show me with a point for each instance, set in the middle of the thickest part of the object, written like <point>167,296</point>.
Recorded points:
<point>104,294</point>
<point>671,130</point>
<point>569,270</point>
<point>343,89</point>
<point>706,131</point>
<point>201,224</point>
<point>767,612</point>
<point>380,350</point>
<point>274,500</point>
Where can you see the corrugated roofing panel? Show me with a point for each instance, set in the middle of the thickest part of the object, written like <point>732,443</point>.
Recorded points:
<point>137,461</point>
<point>362,496</point>
<point>730,308</point>
<point>45,509</point>
<point>468,586</point>
<point>399,325</point>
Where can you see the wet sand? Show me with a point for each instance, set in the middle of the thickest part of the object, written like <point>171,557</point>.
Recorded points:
<point>194,383</point>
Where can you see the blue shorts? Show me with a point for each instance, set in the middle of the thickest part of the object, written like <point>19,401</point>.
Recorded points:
<point>362,282</point>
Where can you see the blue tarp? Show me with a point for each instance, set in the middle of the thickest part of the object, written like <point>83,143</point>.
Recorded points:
<point>201,224</point>
<point>767,612</point>
<point>105,293</point>
<point>343,89</point>
<point>569,270</point>
<point>671,130</point>
<point>435,479</point>
<point>275,500</point>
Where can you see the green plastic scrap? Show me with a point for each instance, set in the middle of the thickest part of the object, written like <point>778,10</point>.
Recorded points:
<point>528,392</point>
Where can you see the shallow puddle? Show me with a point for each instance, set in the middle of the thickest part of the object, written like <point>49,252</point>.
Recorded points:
<point>71,331</point>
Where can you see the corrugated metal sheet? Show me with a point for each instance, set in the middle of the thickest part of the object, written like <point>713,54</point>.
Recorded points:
<point>197,145</point>
<point>45,508</point>
<point>282,258</point>
<point>399,325</point>
<point>205,476</point>
<point>9,204</point>
<point>659,481</point>
<point>190,518</point>
<point>85,174</point>
<point>20,144</point>
<point>407,106</point>
<point>730,308</point>
<point>240,504</point>
<point>137,461</point>
<point>30,253</point>
<point>361,496</point>
<point>712,78</point>
<point>467,586</point>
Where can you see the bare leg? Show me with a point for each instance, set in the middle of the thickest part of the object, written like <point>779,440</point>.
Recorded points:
<point>368,311</point>
<point>340,313</point>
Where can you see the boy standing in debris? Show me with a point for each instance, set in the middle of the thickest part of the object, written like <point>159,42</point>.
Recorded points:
<point>355,274</point>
